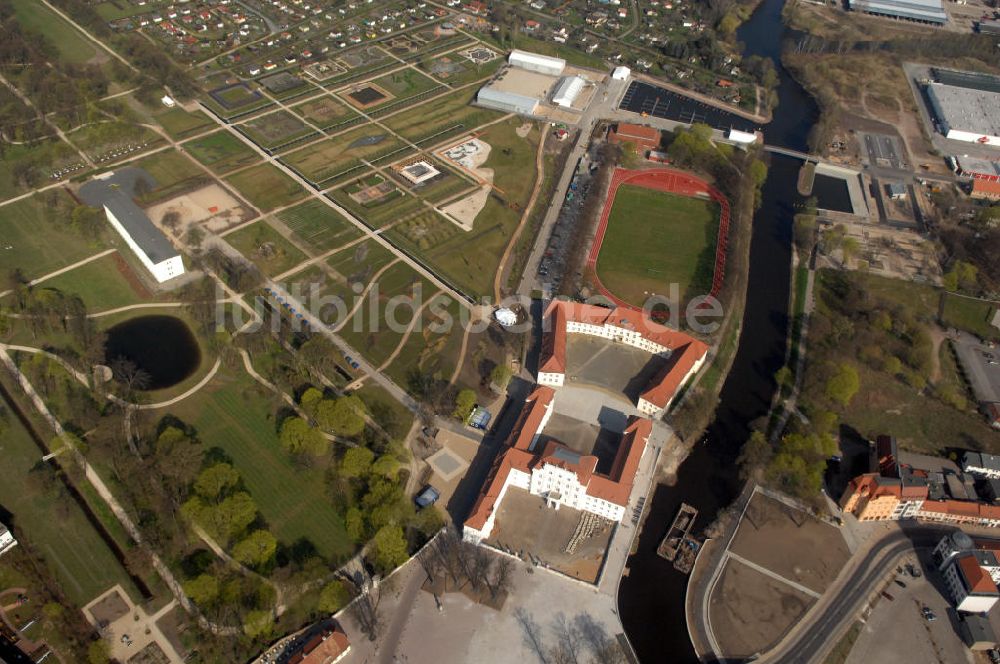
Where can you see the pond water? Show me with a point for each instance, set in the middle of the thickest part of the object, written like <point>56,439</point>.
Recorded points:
<point>161,346</point>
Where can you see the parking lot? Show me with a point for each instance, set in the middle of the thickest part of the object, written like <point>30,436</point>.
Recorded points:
<point>981,364</point>
<point>552,267</point>
<point>884,150</point>
<point>897,631</point>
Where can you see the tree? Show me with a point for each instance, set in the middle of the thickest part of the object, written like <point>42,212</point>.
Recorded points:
<point>388,549</point>
<point>341,416</point>
<point>783,376</point>
<point>178,456</point>
<point>203,589</point>
<point>333,597</point>
<point>354,523</point>
<point>754,456</point>
<point>843,385</point>
<point>257,549</point>
<point>310,399</point>
<point>428,521</point>
<point>98,652</point>
<point>225,520</point>
<point>297,437</point>
<point>893,365</point>
<point>194,236</point>
<point>258,624</point>
<point>465,401</point>
<point>501,375</point>
<point>216,480</point>
<point>357,462</point>
<point>386,465</point>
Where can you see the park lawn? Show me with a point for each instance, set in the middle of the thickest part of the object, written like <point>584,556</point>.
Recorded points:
<point>44,156</point>
<point>377,328</point>
<point>275,129</point>
<point>100,141</point>
<point>395,418</point>
<point>100,284</point>
<point>71,46</point>
<point>654,239</point>
<point>440,117</point>
<point>54,524</point>
<point>325,112</point>
<point>180,123</point>
<point>221,151</point>
<point>391,207</point>
<point>446,186</point>
<point>330,158</point>
<point>266,248</point>
<point>37,237</point>
<point>174,173</point>
<point>266,187</point>
<point>317,225</point>
<point>434,348</point>
<point>970,315</point>
<point>403,84</point>
<point>512,159</point>
<point>234,414</point>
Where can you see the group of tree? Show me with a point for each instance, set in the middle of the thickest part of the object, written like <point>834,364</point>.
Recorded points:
<point>226,511</point>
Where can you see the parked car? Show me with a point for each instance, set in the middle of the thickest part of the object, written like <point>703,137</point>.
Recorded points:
<point>928,614</point>
<point>899,583</point>
<point>427,497</point>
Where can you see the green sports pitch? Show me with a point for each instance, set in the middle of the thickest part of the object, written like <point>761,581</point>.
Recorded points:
<point>654,239</point>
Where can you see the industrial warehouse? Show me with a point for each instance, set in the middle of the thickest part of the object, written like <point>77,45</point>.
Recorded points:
<point>965,106</point>
<point>922,11</point>
<point>540,86</point>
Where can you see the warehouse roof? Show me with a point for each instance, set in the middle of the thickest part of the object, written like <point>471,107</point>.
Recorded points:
<point>491,95</point>
<point>917,10</point>
<point>966,109</point>
<point>107,193</point>
<point>568,90</point>
<point>524,57</point>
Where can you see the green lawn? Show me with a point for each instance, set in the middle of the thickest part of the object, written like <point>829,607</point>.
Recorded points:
<point>441,117</point>
<point>233,414</point>
<point>392,415</point>
<point>377,327</point>
<point>470,259</point>
<point>100,140</point>
<point>180,124</point>
<point>276,129</point>
<point>266,248</point>
<point>317,225</point>
<point>266,187</point>
<point>333,157</point>
<point>173,172</point>
<point>100,284</point>
<point>434,348</point>
<point>655,239</point>
<point>402,85</point>
<point>46,516</point>
<point>221,151</point>
<point>71,46</point>
<point>325,112</point>
<point>35,235</point>
<point>971,315</point>
<point>41,158</point>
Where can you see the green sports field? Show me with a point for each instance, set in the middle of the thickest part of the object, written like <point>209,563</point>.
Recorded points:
<point>654,239</point>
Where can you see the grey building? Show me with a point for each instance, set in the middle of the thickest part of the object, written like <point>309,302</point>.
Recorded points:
<point>508,102</point>
<point>924,11</point>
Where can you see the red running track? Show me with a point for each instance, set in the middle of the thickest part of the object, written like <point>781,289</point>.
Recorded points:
<point>671,181</point>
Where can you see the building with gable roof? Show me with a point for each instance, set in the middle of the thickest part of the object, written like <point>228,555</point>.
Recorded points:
<point>685,355</point>
<point>559,475</point>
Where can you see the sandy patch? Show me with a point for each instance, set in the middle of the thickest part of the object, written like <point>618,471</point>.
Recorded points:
<point>523,130</point>
<point>470,156</point>
<point>211,206</point>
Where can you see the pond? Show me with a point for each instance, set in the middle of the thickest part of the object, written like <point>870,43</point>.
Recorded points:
<point>163,347</point>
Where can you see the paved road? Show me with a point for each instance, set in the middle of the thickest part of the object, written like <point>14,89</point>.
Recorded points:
<point>810,643</point>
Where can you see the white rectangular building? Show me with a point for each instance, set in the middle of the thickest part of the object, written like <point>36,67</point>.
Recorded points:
<point>543,64</point>
<point>966,114</point>
<point>147,241</point>
<point>568,90</point>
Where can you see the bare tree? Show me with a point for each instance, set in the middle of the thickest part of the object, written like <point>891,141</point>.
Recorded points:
<point>568,637</point>
<point>503,577</point>
<point>603,648</point>
<point>532,634</point>
<point>481,566</point>
<point>366,609</point>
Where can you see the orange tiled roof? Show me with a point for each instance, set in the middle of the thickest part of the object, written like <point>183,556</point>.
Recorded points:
<point>976,578</point>
<point>687,351</point>
<point>985,187</point>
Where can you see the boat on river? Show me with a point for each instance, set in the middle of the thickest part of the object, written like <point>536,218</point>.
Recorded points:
<point>677,532</point>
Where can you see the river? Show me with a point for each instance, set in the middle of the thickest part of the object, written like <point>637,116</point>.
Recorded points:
<point>651,598</point>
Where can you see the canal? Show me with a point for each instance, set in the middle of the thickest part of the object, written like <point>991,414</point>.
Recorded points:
<point>651,598</point>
